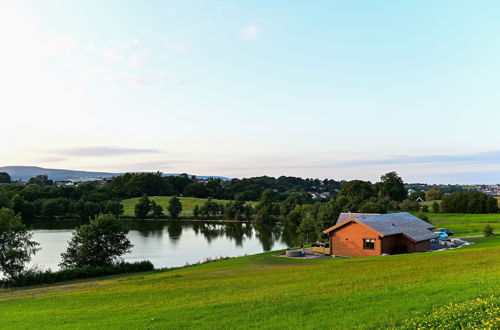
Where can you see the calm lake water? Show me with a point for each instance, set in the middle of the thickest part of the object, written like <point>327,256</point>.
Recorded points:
<point>170,244</point>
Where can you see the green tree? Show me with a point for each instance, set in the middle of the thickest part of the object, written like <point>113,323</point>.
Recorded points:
<point>41,180</point>
<point>469,202</point>
<point>100,243</point>
<point>392,186</point>
<point>488,230</point>
<point>409,206</point>
<point>16,246</point>
<point>435,207</point>
<point>309,230</point>
<point>422,216</point>
<point>196,211</point>
<point>52,207</point>
<point>357,191</point>
<point>113,207</point>
<point>266,210</point>
<point>143,207</point>
<point>157,210</point>
<point>372,207</point>
<point>433,195</point>
<point>174,207</point>
<point>4,177</point>
<point>22,207</point>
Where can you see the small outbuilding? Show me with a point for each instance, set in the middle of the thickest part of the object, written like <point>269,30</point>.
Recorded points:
<point>360,235</point>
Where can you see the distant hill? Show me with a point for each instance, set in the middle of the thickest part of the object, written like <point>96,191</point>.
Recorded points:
<point>26,172</point>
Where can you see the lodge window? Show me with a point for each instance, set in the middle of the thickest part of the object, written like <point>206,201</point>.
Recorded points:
<point>368,244</point>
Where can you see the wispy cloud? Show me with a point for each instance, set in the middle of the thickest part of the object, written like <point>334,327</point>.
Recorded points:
<point>250,32</point>
<point>483,157</point>
<point>103,151</point>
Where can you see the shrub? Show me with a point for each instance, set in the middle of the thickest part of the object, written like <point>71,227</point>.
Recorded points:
<point>37,276</point>
<point>481,313</point>
<point>422,216</point>
<point>435,207</point>
<point>409,206</point>
<point>488,230</point>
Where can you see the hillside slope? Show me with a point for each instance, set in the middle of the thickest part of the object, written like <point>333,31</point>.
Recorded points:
<point>264,291</point>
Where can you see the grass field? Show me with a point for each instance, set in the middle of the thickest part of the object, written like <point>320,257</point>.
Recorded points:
<point>465,224</point>
<point>188,204</point>
<point>264,291</point>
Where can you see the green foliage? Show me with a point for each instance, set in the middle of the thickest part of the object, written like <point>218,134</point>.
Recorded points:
<point>236,210</point>
<point>41,180</point>
<point>469,202</point>
<point>309,229</point>
<point>433,195</point>
<point>113,207</point>
<point>100,243</point>
<point>392,186</point>
<point>4,201</point>
<point>37,277</point>
<point>174,207</point>
<point>4,177</point>
<point>356,192</point>
<point>480,313</point>
<point>423,216</point>
<point>435,207</point>
<point>143,207</point>
<point>409,206</point>
<point>488,230</point>
<point>53,207</point>
<point>16,246</point>
<point>291,201</point>
<point>372,207</point>
<point>196,212</point>
<point>266,210</point>
<point>156,210</point>
<point>22,207</point>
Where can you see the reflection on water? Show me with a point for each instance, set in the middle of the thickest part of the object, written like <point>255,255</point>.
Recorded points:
<point>171,243</point>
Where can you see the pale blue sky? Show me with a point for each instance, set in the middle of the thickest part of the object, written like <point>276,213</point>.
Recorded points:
<point>337,89</point>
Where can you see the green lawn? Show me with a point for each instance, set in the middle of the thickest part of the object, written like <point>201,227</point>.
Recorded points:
<point>264,291</point>
<point>188,204</point>
<point>465,224</point>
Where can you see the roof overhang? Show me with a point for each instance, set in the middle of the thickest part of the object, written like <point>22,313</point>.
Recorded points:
<point>348,222</point>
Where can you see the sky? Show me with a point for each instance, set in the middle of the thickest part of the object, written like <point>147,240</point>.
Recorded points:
<point>321,89</point>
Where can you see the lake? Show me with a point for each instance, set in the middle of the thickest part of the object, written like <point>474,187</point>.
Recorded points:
<point>170,243</point>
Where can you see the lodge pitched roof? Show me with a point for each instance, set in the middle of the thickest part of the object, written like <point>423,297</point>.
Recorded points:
<point>393,223</point>
<point>346,216</point>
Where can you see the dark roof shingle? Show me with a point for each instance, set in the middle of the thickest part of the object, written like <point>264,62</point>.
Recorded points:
<point>395,223</point>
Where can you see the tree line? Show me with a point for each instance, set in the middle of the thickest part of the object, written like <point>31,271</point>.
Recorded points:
<point>276,197</point>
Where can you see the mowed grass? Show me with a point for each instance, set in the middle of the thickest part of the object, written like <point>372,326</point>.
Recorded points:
<point>264,291</point>
<point>465,224</point>
<point>188,204</point>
